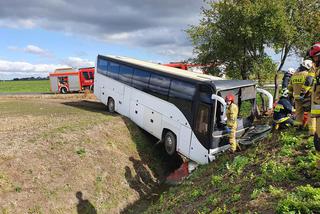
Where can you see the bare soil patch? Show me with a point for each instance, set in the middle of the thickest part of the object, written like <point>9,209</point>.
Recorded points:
<point>64,154</point>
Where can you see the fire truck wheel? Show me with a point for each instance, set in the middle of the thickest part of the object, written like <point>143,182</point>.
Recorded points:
<point>111,106</point>
<point>91,88</point>
<point>63,90</point>
<point>170,143</point>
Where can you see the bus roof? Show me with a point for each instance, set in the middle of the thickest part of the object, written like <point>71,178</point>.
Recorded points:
<point>222,85</point>
<point>165,69</point>
<point>218,82</point>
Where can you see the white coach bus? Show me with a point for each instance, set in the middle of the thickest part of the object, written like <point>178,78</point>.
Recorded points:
<point>183,109</point>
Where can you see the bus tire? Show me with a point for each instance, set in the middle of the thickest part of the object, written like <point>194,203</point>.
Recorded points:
<point>91,88</point>
<point>170,143</point>
<point>111,105</point>
<point>63,90</point>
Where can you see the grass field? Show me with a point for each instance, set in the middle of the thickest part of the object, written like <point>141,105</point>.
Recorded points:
<point>25,86</point>
<point>62,155</point>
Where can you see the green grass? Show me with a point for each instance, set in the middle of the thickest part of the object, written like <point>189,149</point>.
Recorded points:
<point>279,175</point>
<point>24,86</point>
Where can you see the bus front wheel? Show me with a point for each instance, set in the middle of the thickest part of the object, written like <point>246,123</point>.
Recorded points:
<point>170,143</point>
<point>111,106</point>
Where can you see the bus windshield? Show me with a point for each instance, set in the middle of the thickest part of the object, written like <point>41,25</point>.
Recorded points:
<point>244,99</point>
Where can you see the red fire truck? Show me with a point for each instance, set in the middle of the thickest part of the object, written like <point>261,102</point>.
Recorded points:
<point>66,80</point>
<point>184,66</point>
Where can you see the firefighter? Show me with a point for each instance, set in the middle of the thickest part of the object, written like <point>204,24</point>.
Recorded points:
<point>306,93</point>
<point>286,77</point>
<point>300,84</point>
<point>314,53</point>
<point>282,116</point>
<point>232,116</point>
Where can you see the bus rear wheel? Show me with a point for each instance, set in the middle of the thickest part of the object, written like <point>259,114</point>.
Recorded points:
<point>170,143</point>
<point>111,106</point>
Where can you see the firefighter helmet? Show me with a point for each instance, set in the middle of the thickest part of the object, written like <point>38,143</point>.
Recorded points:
<point>315,50</point>
<point>229,97</point>
<point>307,64</point>
<point>284,92</point>
<point>291,71</point>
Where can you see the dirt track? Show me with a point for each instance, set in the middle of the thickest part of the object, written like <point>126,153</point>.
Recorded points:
<point>63,153</point>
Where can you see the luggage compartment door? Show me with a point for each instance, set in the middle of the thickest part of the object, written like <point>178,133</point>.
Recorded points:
<point>74,83</point>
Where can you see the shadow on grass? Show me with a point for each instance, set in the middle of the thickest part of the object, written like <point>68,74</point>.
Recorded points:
<point>87,105</point>
<point>150,170</point>
<point>84,206</point>
<point>152,156</point>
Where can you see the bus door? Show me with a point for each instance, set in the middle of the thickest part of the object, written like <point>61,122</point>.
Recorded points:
<point>202,122</point>
<point>219,136</point>
<point>201,136</point>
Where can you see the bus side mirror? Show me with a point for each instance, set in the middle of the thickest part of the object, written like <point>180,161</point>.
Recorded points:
<point>269,96</point>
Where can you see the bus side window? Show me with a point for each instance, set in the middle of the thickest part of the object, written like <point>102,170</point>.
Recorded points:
<point>181,94</point>
<point>125,74</point>
<point>102,67</point>
<point>159,86</point>
<point>220,124</point>
<point>113,70</point>
<point>202,122</point>
<point>140,79</point>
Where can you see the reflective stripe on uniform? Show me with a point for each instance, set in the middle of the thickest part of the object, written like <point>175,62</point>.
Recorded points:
<point>315,111</point>
<point>281,120</point>
<point>316,107</point>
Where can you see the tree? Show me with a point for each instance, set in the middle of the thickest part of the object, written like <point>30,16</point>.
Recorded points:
<point>263,70</point>
<point>236,33</point>
<point>302,29</point>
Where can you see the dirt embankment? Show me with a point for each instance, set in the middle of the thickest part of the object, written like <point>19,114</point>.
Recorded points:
<point>67,154</point>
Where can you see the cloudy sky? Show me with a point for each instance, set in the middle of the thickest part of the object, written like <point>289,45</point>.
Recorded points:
<point>38,36</point>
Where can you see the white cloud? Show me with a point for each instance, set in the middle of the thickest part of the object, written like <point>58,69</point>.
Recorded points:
<point>77,62</point>
<point>14,69</point>
<point>36,50</point>
<point>26,67</point>
<point>32,49</point>
<point>18,23</point>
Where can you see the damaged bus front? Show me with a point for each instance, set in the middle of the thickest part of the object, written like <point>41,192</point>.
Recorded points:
<point>245,93</point>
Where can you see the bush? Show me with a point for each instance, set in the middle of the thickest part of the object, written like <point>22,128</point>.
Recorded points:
<point>238,164</point>
<point>308,164</point>
<point>305,199</point>
<point>288,139</point>
<point>216,180</point>
<point>278,172</point>
<point>256,192</point>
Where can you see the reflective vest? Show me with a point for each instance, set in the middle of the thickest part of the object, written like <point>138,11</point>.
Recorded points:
<point>232,115</point>
<point>315,105</point>
<point>297,82</point>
